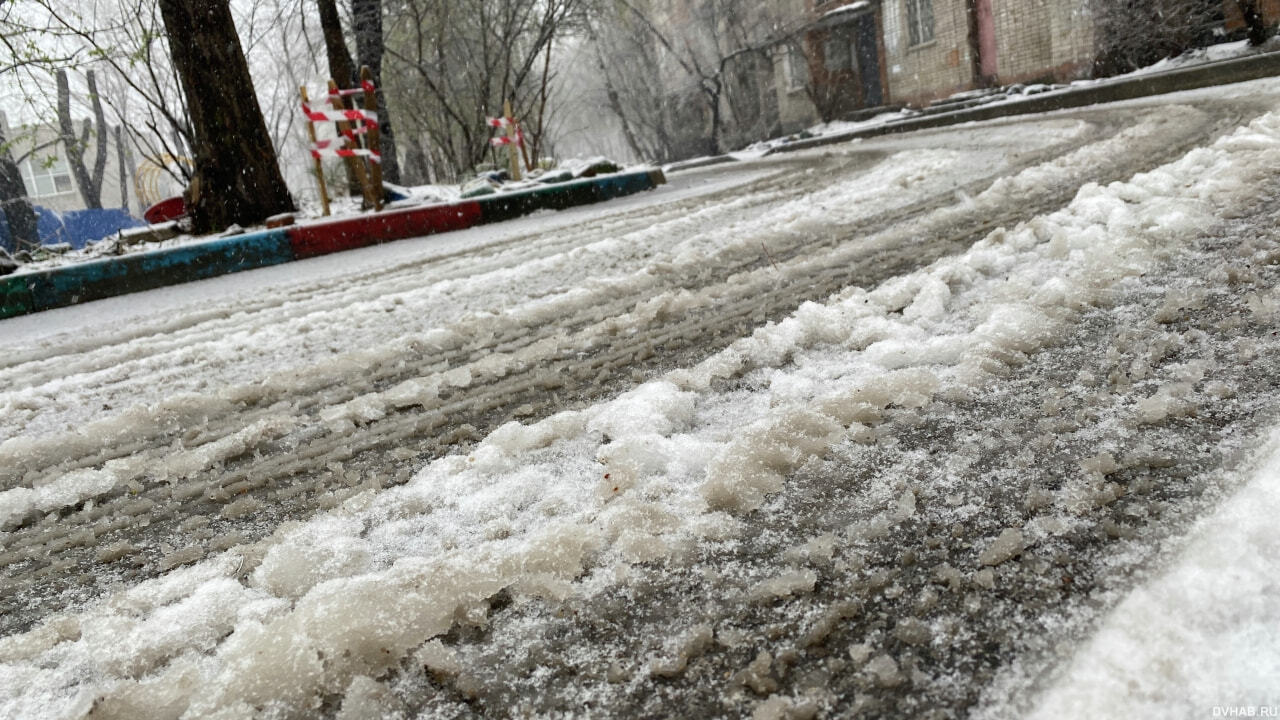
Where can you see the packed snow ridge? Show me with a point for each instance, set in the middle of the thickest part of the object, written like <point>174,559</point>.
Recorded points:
<point>565,506</point>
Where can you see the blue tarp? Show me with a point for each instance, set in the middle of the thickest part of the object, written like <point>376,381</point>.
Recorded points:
<point>78,227</point>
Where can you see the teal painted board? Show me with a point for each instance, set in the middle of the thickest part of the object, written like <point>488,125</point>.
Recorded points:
<point>98,279</point>
<point>558,196</point>
<point>608,188</point>
<point>566,195</point>
<point>15,296</point>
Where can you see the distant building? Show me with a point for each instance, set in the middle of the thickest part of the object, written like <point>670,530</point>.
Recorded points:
<point>42,161</point>
<point>864,54</point>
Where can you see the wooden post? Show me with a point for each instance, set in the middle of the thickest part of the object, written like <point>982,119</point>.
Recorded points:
<point>524,149</point>
<point>311,130</point>
<point>354,165</point>
<point>511,140</point>
<point>374,136</point>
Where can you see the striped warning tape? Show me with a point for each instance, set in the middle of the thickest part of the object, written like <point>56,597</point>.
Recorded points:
<point>314,115</point>
<point>503,140</point>
<point>366,88</point>
<point>320,152</point>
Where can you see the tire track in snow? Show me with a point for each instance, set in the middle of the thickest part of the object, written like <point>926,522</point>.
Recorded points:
<point>146,528</point>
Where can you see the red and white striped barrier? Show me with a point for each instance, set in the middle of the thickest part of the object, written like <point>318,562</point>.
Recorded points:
<point>322,152</point>
<point>366,88</point>
<point>501,140</point>
<point>315,115</point>
<point>357,137</point>
<point>342,147</point>
<point>347,145</point>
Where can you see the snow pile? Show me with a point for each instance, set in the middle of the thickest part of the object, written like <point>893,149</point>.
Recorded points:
<point>1203,639</point>
<point>568,504</point>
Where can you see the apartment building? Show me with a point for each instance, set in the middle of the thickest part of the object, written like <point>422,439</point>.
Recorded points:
<point>873,53</point>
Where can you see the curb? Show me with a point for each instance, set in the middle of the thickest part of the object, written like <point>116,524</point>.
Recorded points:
<point>1222,72</point>
<point>682,165</point>
<point>97,279</point>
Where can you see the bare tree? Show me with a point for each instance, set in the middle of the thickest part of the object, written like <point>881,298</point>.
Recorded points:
<point>341,69</point>
<point>370,47</point>
<point>1251,11</point>
<point>456,61</point>
<point>1136,33</point>
<point>124,39</point>
<point>89,183</point>
<point>237,179</point>
<point>707,65</point>
<point>18,213</point>
<point>634,87</point>
<point>122,167</point>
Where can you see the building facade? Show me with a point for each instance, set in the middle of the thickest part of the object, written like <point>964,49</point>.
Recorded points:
<point>42,161</point>
<point>910,52</point>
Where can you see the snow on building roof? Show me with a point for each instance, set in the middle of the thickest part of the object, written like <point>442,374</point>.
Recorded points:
<point>849,8</point>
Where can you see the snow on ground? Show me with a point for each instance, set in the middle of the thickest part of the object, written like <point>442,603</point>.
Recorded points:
<point>573,505</point>
<point>1199,56</point>
<point>1202,639</point>
<point>518,279</point>
<point>29,331</point>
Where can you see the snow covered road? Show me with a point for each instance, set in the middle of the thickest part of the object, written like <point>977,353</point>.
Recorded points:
<point>800,436</point>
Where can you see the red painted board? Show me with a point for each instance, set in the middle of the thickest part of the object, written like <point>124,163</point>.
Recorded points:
<point>165,210</point>
<point>341,234</point>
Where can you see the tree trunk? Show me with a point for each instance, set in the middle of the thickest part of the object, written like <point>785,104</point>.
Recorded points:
<point>90,186</point>
<point>341,67</point>
<point>342,70</point>
<point>18,213</point>
<point>123,168</point>
<point>100,139</point>
<point>369,51</point>
<point>1252,12</point>
<point>236,179</point>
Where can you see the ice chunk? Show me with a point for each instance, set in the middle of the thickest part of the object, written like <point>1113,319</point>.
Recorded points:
<point>788,583</point>
<point>368,699</point>
<point>294,565</point>
<point>885,671</point>
<point>688,646</point>
<point>1008,544</point>
<point>779,707</point>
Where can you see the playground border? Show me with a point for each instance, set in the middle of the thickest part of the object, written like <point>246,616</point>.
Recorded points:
<point>76,283</point>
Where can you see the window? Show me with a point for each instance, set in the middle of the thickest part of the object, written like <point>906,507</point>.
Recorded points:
<point>920,21</point>
<point>797,68</point>
<point>50,177</point>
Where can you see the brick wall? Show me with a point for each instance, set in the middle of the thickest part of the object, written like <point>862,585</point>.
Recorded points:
<point>1270,12</point>
<point>1074,39</point>
<point>933,69</point>
<point>1023,43</point>
<point>1042,40</point>
<point>1035,40</point>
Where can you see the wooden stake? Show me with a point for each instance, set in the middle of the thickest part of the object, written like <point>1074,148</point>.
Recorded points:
<point>524,151</point>
<point>374,137</point>
<point>511,136</point>
<point>354,165</point>
<point>311,130</point>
